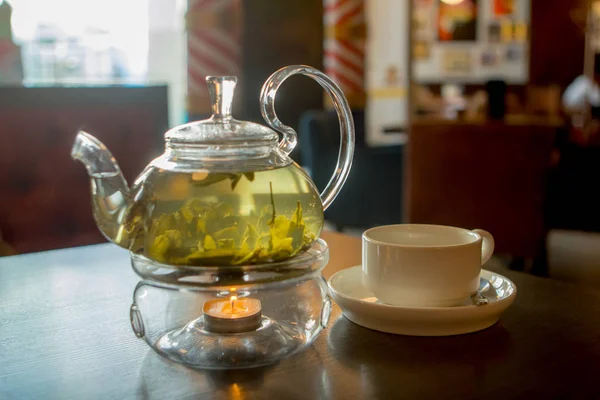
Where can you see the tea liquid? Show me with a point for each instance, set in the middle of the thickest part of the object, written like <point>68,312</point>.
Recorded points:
<point>205,218</point>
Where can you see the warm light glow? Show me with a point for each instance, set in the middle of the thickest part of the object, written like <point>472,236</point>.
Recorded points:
<point>452,2</point>
<point>232,315</point>
<point>233,299</point>
<point>235,392</point>
<point>200,175</point>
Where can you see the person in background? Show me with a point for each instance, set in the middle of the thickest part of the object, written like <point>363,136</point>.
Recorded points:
<point>581,101</point>
<point>583,91</point>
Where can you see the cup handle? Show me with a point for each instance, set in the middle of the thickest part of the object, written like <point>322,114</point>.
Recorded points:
<point>487,245</point>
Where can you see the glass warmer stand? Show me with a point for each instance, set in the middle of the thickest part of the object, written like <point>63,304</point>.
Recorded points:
<point>231,317</point>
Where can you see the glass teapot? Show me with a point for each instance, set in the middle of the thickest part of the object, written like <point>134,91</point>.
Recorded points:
<point>224,192</point>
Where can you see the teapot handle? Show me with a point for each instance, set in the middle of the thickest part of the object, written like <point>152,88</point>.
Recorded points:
<point>290,138</point>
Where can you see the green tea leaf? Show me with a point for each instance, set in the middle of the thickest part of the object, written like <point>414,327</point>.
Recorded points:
<point>223,210</point>
<point>207,220</point>
<point>210,179</point>
<point>174,236</point>
<point>264,220</point>
<point>187,214</point>
<point>162,224</point>
<point>297,216</point>
<point>159,248</point>
<point>282,248</point>
<point>196,205</point>
<point>202,233</point>
<point>230,233</point>
<point>249,239</point>
<point>209,243</point>
<point>228,244</point>
<point>280,227</point>
<point>235,180</point>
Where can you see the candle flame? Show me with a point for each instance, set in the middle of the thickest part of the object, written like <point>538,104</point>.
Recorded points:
<point>233,299</point>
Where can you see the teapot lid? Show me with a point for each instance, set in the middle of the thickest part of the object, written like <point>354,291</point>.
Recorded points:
<point>221,128</point>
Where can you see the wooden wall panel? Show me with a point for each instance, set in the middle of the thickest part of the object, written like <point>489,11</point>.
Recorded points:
<point>276,34</point>
<point>44,194</point>
<point>557,42</point>
<point>490,176</point>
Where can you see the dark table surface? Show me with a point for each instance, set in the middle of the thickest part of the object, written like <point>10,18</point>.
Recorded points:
<point>65,334</point>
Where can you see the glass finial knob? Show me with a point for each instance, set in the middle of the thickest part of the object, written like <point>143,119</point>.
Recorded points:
<point>221,90</point>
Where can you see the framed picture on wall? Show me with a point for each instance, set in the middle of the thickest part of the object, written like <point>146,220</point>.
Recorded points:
<point>423,19</point>
<point>455,61</point>
<point>421,50</point>
<point>514,54</point>
<point>457,20</point>
<point>503,8</point>
<point>489,58</point>
<point>494,33</point>
<point>520,31</point>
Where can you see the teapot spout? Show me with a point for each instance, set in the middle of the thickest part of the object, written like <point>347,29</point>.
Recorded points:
<point>110,193</point>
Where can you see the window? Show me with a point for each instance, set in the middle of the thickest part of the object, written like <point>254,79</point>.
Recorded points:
<point>81,42</point>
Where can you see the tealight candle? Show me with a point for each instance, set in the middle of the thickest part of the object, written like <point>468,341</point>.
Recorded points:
<point>232,315</point>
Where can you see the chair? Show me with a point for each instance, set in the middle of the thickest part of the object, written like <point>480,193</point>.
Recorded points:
<point>372,194</point>
<point>490,175</point>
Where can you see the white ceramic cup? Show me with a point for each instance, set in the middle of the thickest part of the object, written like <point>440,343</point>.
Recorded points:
<point>424,265</point>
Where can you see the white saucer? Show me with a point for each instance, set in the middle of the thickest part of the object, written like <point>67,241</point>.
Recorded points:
<point>360,306</point>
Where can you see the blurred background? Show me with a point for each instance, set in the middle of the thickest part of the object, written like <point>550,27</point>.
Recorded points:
<point>474,113</point>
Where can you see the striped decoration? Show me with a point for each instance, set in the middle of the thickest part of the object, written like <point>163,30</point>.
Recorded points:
<point>214,30</point>
<point>344,48</point>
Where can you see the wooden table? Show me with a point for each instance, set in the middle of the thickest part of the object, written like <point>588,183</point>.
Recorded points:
<point>65,334</point>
